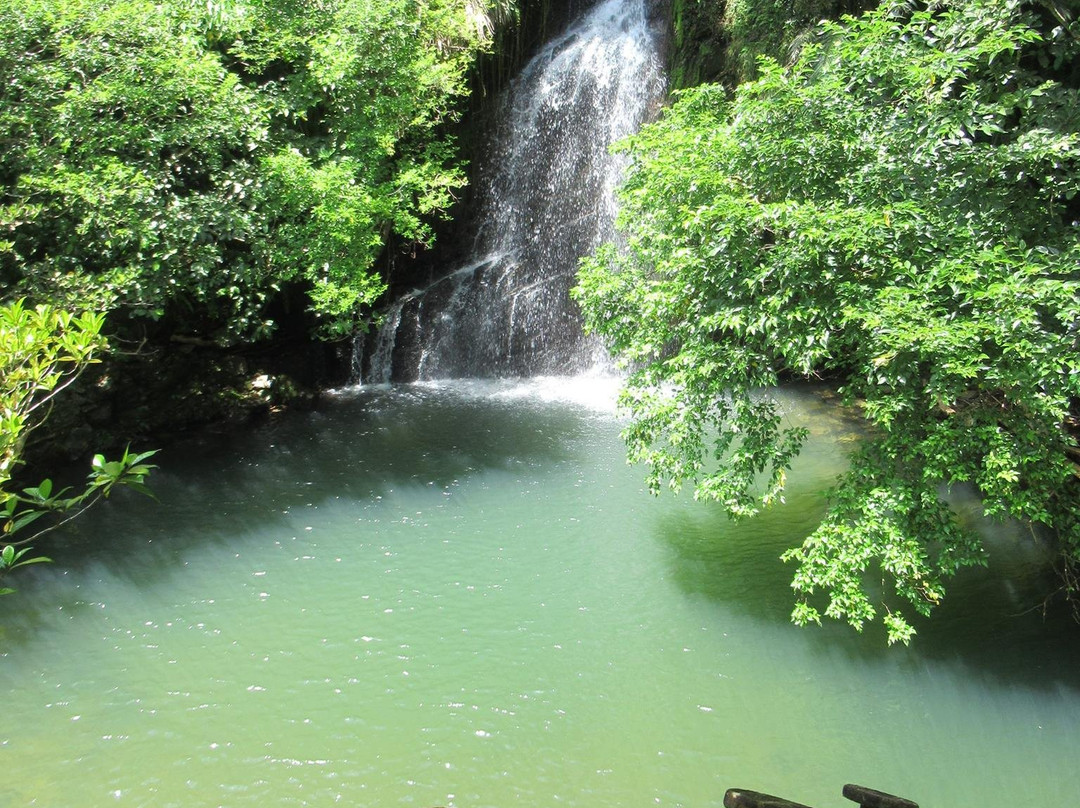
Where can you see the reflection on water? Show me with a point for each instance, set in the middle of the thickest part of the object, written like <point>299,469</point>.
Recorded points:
<point>461,595</point>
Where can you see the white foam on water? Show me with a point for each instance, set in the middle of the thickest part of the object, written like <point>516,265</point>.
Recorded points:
<point>594,392</point>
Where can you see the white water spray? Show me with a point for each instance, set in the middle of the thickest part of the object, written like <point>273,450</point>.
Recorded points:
<point>548,199</point>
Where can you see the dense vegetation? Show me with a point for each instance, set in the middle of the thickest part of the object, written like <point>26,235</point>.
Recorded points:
<point>897,210</point>
<point>184,161</point>
<point>188,172</point>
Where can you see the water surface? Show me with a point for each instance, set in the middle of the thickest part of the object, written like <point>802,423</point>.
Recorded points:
<point>460,595</point>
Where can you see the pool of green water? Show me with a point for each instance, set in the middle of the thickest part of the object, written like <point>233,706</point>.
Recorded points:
<point>461,595</point>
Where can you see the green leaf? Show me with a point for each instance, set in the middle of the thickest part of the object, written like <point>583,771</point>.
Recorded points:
<point>22,520</point>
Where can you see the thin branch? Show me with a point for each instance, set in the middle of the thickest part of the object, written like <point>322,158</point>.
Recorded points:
<point>97,498</point>
<point>58,389</point>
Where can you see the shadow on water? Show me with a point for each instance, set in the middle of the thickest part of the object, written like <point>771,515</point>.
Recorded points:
<point>368,443</point>
<point>359,446</point>
<point>985,610</point>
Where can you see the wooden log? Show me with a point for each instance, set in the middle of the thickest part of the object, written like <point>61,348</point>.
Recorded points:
<point>741,798</point>
<point>869,798</point>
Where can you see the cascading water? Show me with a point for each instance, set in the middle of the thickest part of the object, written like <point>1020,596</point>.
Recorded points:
<point>547,190</point>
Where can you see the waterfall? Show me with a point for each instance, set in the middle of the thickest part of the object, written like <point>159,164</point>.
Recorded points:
<point>547,198</point>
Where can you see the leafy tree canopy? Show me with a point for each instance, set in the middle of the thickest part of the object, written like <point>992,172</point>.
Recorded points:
<point>187,159</point>
<point>898,209</point>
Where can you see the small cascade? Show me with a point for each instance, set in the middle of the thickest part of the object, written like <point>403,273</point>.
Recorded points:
<point>547,190</point>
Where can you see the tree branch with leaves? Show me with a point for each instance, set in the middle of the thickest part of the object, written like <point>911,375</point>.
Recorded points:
<point>898,211</point>
<point>42,352</point>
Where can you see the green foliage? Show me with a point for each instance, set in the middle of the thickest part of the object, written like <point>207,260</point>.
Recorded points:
<point>182,162</point>
<point>898,209</point>
<point>20,509</point>
<point>42,351</point>
<point>10,558</point>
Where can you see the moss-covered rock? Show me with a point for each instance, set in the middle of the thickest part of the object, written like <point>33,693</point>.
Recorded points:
<point>722,40</point>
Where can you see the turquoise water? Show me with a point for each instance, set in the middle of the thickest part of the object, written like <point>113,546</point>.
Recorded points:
<point>460,595</point>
